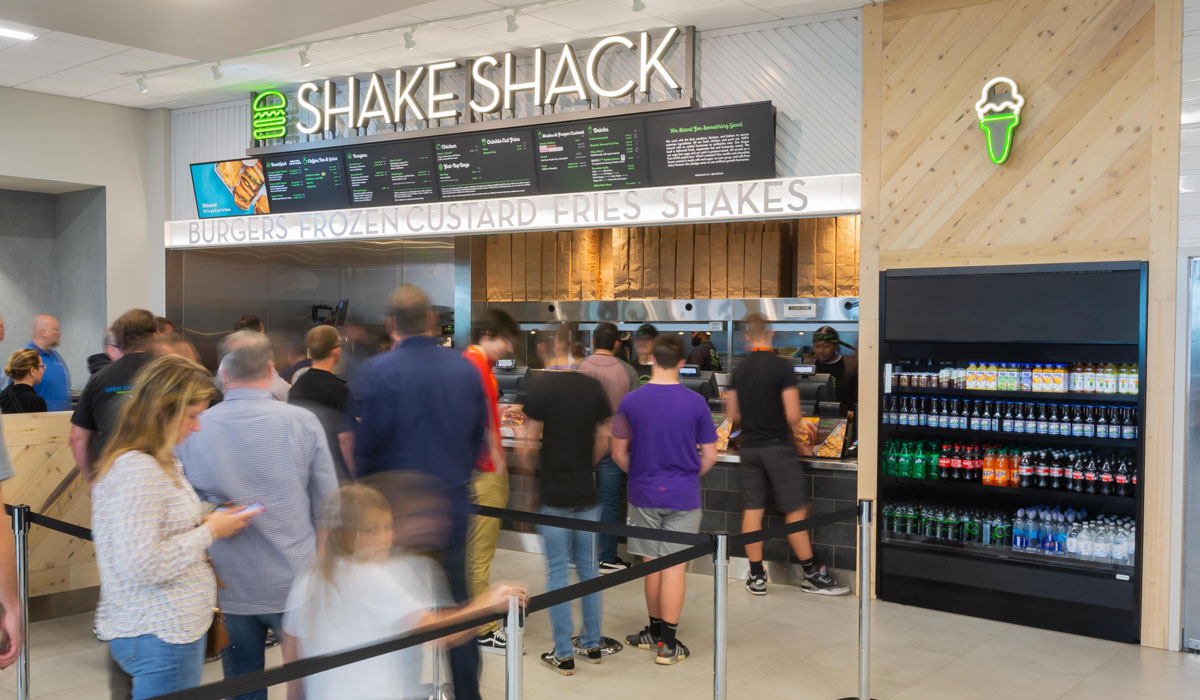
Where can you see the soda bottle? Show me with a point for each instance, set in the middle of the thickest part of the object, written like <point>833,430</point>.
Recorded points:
<point>1000,469</point>
<point>1041,471</point>
<point>1091,474</point>
<point>989,468</point>
<point>1077,470</point>
<point>944,463</point>
<point>1121,479</point>
<point>917,467</point>
<point>1056,471</point>
<point>956,463</point>
<point>1026,471</point>
<point>904,462</point>
<point>1106,477</point>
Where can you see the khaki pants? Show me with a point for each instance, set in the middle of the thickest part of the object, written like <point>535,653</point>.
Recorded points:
<point>487,489</point>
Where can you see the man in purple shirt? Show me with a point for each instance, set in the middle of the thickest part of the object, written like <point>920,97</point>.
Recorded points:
<point>655,434</point>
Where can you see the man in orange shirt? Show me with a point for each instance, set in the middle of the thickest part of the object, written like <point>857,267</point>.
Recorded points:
<point>493,334</point>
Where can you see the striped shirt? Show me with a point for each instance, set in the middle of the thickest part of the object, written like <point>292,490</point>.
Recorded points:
<point>150,549</point>
<point>254,449</point>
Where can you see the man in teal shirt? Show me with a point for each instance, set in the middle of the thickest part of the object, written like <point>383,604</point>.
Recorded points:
<point>55,386</point>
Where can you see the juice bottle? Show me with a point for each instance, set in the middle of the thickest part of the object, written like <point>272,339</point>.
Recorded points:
<point>1060,379</point>
<point>1089,378</point>
<point>1075,377</point>
<point>972,376</point>
<point>1134,380</point>
<point>1110,378</point>
<point>993,372</point>
<point>1039,371</point>
<point>1123,379</point>
<point>1026,378</point>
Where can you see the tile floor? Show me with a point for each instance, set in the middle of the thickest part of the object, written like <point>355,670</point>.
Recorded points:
<point>787,644</point>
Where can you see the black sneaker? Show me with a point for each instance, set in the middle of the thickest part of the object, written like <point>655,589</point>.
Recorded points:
<point>821,583</point>
<point>563,667</point>
<point>608,646</point>
<point>643,640</point>
<point>493,642</point>
<point>671,656</point>
<point>618,564</point>
<point>757,584</point>
<point>272,639</point>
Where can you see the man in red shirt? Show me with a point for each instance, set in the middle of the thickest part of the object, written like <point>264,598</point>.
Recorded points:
<point>493,334</point>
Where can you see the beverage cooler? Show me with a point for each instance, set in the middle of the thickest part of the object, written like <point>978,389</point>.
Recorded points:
<point>1010,452</point>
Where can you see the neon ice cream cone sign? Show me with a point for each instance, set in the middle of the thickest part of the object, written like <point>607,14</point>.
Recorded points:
<point>999,110</point>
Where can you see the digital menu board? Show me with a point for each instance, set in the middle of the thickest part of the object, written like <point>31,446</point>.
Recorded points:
<point>485,165</point>
<point>588,156</point>
<point>229,188</point>
<point>306,181</point>
<point>392,173</point>
<point>712,144</point>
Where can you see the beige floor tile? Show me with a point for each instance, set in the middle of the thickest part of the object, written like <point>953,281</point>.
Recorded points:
<point>985,677</point>
<point>1091,692</point>
<point>805,679</point>
<point>1158,680</point>
<point>1046,652</point>
<point>905,666</point>
<point>61,672</point>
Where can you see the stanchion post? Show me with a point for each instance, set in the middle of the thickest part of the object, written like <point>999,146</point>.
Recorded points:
<point>513,650</point>
<point>863,576</point>
<point>20,524</point>
<point>721,618</point>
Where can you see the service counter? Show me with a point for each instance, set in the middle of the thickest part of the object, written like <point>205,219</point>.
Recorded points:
<point>833,485</point>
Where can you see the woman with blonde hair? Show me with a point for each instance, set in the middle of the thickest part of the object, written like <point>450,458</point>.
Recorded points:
<point>26,369</point>
<point>157,589</point>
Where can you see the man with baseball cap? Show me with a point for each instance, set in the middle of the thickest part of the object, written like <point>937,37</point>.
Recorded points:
<point>828,360</point>
<point>643,352</point>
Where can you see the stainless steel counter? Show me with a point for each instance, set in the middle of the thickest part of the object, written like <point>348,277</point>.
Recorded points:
<point>841,465</point>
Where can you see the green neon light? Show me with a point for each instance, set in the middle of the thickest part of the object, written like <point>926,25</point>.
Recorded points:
<point>999,130</point>
<point>268,118</point>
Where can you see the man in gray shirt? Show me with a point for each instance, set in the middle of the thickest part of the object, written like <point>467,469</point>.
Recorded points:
<point>252,449</point>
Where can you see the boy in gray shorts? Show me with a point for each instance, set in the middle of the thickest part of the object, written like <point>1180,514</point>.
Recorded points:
<point>655,434</point>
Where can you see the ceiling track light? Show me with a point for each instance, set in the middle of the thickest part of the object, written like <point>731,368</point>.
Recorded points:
<point>512,22</point>
<point>216,71</point>
<point>639,6</point>
<point>409,41</point>
<point>141,85</point>
<point>305,61</point>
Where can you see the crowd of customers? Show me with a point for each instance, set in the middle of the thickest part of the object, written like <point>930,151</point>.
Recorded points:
<point>233,507</point>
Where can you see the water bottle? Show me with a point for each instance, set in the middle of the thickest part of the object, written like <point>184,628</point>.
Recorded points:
<point>1018,531</point>
<point>1120,547</point>
<point>1060,535</point>
<point>1102,547</point>
<point>1086,543</point>
<point>1073,538</point>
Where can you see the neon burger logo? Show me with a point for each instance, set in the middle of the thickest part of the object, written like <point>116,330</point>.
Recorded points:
<point>999,110</point>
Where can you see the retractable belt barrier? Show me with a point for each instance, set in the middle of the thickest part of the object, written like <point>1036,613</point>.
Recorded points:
<point>701,544</point>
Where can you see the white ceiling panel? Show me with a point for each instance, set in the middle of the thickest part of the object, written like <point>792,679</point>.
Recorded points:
<point>719,16</point>
<point>106,46</point>
<point>45,48</point>
<point>98,79</point>
<point>126,62</point>
<point>55,86</point>
<point>441,9</point>
<point>11,78</point>
<point>588,14</point>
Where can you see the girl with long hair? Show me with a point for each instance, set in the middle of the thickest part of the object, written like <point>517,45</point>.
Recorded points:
<point>157,589</point>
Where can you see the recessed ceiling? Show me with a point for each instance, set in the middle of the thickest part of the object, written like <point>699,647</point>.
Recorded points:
<point>90,48</point>
<point>29,184</point>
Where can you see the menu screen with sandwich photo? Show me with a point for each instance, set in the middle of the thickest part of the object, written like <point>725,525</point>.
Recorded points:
<point>230,188</point>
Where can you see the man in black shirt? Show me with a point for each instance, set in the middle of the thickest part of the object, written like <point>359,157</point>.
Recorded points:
<point>326,395</point>
<point>571,411</point>
<point>766,401</point>
<point>843,368</point>
<point>95,417</point>
<point>643,351</point>
<point>704,354</point>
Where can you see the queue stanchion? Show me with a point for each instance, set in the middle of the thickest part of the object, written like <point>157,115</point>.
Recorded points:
<point>513,650</point>
<point>20,524</point>
<point>721,617</point>
<point>864,600</point>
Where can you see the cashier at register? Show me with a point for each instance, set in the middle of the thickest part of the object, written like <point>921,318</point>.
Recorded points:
<point>828,360</point>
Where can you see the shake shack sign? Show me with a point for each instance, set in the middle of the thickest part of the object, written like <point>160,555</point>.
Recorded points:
<point>613,68</point>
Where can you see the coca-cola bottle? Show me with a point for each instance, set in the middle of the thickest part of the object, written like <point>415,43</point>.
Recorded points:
<point>956,463</point>
<point>1091,475</point>
<point>944,463</point>
<point>1056,471</point>
<point>1077,473</point>
<point>1121,479</point>
<point>1025,470</point>
<point>1106,477</point>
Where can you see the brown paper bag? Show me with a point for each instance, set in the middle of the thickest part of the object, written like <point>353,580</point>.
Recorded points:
<point>700,264</point>
<point>637,255</point>
<point>592,286</point>
<point>651,270</point>
<point>806,257</point>
<point>606,264</point>
<point>684,242</point>
<point>517,241</point>
<point>718,260</point>
<point>578,263</point>
<point>825,284</point>
<point>752,284</point>
<point>620,263</point>
<point>562,284</point>
<point>666,261</point>
<point>847,259</point>
<point>737,261</point>
<point>479,287</point>
<point>533,266</point>
<point>504,285</point>
<point>771,260</point>
<point>549,263</point>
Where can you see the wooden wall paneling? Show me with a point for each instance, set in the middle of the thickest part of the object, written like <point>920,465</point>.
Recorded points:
<point>718,260</point>
<point>772,243</point>
<point>549,263</point>
<point>607,287</point>
<point>562,268</point>
<point>752,281</point>
<point>806,257</point>
<point>533,266</point>
<point>637,257</point>
<point>701,266</point>
<point>578,263</point>
<point>479,288</point>
<point>667,255</point>
<point>737,260</point>
<point>620,255</point>
<point>825,258</point>
<point>684,261</point>
<point>845,264</point>
<point>651,267</point>
<point>517,241</point>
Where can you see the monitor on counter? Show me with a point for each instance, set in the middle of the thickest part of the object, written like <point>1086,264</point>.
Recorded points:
<point>339,313</point>
<point>512,380</point>
<point>703,383</point>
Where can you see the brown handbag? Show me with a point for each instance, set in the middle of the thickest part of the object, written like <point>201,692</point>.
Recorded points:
<point>218,637</point>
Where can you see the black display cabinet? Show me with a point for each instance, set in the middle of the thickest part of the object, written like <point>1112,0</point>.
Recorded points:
<point>1072,315</point>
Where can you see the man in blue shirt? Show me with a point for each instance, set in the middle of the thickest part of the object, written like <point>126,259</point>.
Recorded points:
<point>421,408</point>
<point>55,386</point>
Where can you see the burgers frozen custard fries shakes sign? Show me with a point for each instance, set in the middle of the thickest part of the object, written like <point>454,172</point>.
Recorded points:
<point>999,110</point>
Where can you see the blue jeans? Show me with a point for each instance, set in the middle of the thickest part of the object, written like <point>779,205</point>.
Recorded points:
<point>464,658</point>
<point>564,547</point>
<point>247,647</point>
<point>609,480</point>
<point>158,667</point>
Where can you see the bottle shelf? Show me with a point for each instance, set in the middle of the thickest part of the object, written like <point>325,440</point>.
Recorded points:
<point>956,435</point>
<point>979,551</point>
<point>1021,496</point>
<point>1026,396</point>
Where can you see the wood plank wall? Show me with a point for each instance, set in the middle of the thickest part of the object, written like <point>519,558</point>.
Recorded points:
<point>801,257</point>
<point>1092,176</point>
<point>47,482</point>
